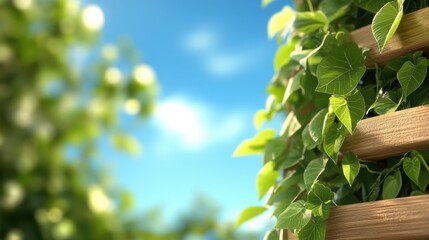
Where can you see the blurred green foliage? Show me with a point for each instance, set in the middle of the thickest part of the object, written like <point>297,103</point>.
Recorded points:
<point>58,97</point>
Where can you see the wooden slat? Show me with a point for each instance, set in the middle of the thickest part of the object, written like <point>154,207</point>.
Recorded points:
<point>390,135</point>
<point>411,35</point>
<point>400,218</point>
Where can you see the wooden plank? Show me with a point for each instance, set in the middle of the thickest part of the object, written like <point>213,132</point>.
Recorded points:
<point>400,218</point>
<point>411,35</point>
<point>390,135</point>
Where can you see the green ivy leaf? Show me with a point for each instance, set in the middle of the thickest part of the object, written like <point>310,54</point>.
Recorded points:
<point>290,126</point>
<point>308,22</point>
<point>308,141</point>
<point>296,216</point>
<point>333,140</point>
<point>349,110</point>
<point>267,177</point>
<point>314,230</point>
<point>283,199</point>
<point>327,122</point>
<point>411,76</point>
<point>283,54</point>
<point>334,9</point>
<point>274,149</point>
<point>127,143</point>
<point>248,214</point>
<point>371,5</point>
<point>319,200</point>
<point>392,185</point>
<point>294,154</point>
<point>341,70</point>
<point>273,234</point>
<point>254,145</point>
<point>293,85</point>
<point>423,179</point>
<point>315,128</point>
<point>313,170</point>
<point>411,168</point>
<point>386,21</point>
<point>265,3</point>
<point>351,167</point>
<point>279,21</point>
<point>259,118</point>
<point>319,195</point>
<point>384,105</point>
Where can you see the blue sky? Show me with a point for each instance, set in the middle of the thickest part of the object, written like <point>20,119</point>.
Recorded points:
<point>213,61</point>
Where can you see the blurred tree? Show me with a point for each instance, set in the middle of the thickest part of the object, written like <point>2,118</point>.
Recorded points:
<point>57,98</point>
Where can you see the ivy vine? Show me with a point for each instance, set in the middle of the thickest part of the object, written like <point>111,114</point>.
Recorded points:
<point>324,85</point>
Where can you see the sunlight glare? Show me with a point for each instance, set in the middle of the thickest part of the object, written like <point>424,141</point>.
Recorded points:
<point>93,17</point>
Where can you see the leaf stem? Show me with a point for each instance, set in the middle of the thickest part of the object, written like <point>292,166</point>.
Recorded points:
<point>310,5</point>
<point>424,163</point>
<point>369,170</point>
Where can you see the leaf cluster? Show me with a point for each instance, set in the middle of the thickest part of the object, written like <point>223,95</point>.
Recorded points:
<point>324,84</point>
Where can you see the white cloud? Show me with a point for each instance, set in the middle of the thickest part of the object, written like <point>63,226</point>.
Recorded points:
<point>193,125</point>
<point>224,65</point>
<point>200,40</point>
<point>218,61</point>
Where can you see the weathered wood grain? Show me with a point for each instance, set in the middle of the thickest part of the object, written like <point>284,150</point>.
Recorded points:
<point>400,218</point>
<point>390,135</point>
<point>411,35</point>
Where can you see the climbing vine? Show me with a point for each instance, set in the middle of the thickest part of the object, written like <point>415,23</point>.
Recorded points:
<point>325,84</point>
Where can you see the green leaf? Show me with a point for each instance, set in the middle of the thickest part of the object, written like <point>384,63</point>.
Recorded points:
<point>386,21</point>
<point>349,110</point>
<point>275,149</point>
<point>316,126</point>
<point>308,22</point>
<point>313,170</point>
<point>279,21</point>
<point>351,167</point>
<point>265,3</point>
<point>314,230</point>
<point>341,70</point>
<point>392,185</point>
<point>283,199</point>
<point>371,5</point>
<point>283,54</point>
<point>293,85</point>
<point>294,154</point>
<point>384,105</point>
<point>327,122</point>
<point>334,9</point>
<point>248,214</point>
<point>423,179</point>
<point>254,145</point>
<point>259,118</point>
<point>296,216</point>
<point>290,126</point>
<point>411,76</point>
<point>411,168</point>
<point>319,195</point>
<point>308,141</point>
<point>273,234</point>
<point>127,143</point>
<point>333,140</point>
<point>267,177</point>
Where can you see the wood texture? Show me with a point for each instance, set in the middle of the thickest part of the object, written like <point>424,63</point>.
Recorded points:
<point>411,35</point>
<point>390,135</point>
<point>400,218</point>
